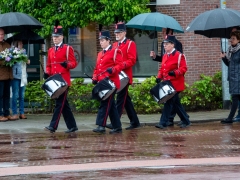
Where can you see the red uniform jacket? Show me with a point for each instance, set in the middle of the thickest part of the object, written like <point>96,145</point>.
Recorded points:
<point>129,56</point>
<point>106,60</point>
<point>57,57</point>
<point>179,66</point>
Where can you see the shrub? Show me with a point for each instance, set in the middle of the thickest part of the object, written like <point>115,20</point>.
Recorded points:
<point>37,99</point>
<point>141,97</point>
<point>203,94</point>
<point>80,97</point>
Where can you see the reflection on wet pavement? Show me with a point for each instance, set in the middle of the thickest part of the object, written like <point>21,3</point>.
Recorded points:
<point>198,141</point>
<point>205,140</point>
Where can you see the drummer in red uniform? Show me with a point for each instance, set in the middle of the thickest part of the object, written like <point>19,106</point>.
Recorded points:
<point>129,52</point>
<point>108,65</point>
<point>58,63</point>
<point>173,68</point>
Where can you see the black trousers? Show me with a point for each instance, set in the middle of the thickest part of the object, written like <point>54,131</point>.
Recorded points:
<point>62,107</point>
<point>124,101</point>
<point>5,97</point>
<point>173,114</point>
<point>168,106</point>
<point>108,108</point>
<point>235,100</point>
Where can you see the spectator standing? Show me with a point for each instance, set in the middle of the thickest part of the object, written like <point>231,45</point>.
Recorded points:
<point>19,83</point>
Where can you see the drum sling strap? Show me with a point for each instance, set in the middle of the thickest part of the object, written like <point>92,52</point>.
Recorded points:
<point>67,52</point>
<point>115,53</point>
<point>179,59</point>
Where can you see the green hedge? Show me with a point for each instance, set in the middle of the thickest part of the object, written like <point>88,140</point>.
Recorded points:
<point>203,94</point>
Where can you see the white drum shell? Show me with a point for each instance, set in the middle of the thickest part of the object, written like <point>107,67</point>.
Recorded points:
<point>106,93</point>
<point>124,80</point>
<point>54,86</point>
<point>166,93</point>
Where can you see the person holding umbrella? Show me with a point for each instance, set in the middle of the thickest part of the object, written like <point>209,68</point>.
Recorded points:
<point>59,62</point>
<point>232,60</point>
<point>165,32</point>
<point>108,66</point>
<point>5,82</point>
<point>173,69</point>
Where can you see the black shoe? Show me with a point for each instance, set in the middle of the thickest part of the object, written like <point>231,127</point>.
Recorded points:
<point>170,123</point>
<point>71,130</point>
<point>132,127</point>
<point>180,123</point>
<point>236,119</point>
<point>99,129</point>
<point>49,129</point>
<point>160,126</point>
<point>227,121</point>
<point>109,126</point>
<point>115,131</point>
<point>183,125</point>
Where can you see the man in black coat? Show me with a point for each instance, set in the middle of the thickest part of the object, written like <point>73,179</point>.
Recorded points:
<point>178,45</point>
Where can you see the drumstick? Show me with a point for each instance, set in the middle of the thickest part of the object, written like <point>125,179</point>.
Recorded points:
<point>57,62</point>
<point>96,75</point>
<point>87,75</point>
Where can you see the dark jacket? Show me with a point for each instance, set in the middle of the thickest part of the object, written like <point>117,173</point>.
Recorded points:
<point>5,71</point>
<point>178,47</point>
<point>233,72</point>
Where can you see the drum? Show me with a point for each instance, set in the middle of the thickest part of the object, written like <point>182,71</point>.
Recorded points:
<point>123,80</point>
<point>54,86</point>
<point>103,89</point>
<point>163,91</point>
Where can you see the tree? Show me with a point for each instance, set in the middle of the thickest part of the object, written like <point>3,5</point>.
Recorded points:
<point>75,13</point>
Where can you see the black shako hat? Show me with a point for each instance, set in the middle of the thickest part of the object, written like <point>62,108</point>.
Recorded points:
<point>104,34</point>
<point>57,30</point>
<point>170,38</point>
<point>120,27</point>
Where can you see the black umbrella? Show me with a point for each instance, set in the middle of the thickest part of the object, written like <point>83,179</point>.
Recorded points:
<point>27,37</point>
<point>215,23</point>
<point>18,22</point>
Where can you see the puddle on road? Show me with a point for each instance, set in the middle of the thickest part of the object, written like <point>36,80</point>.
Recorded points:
<point>7,164</point>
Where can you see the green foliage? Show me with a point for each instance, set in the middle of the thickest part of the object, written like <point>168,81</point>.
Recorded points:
<point>204,94</point>
<point>38,100</point>
<point>75,13</point>
<point>141,97</point>
<point>80,96</point>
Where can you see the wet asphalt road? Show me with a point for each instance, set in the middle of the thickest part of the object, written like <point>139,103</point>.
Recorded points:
<point>201,140</point>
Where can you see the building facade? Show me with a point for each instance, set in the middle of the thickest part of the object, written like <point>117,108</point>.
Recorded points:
<point>202,53</point>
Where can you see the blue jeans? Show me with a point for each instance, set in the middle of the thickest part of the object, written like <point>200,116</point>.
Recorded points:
<point>5,97</point>
<point>17,96</point>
